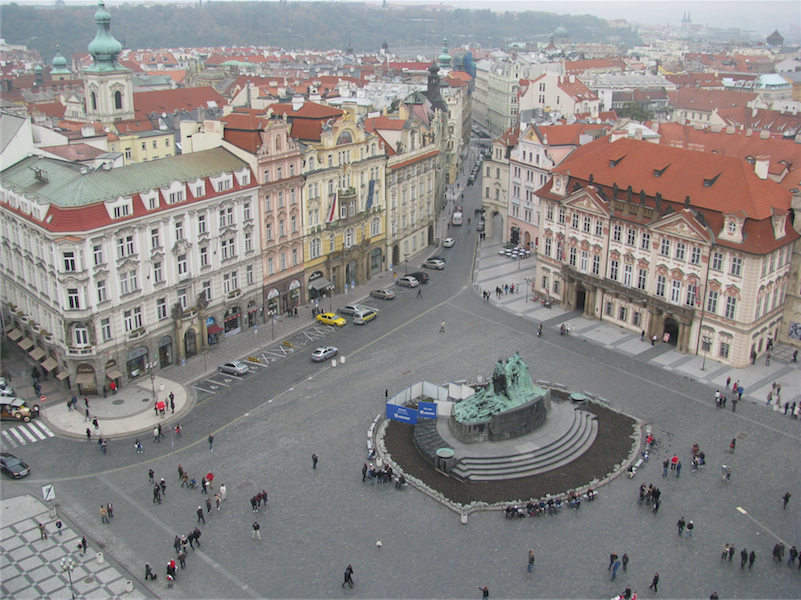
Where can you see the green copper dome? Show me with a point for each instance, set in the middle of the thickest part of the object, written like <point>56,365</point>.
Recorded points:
<point>444,59</point>
<point>59,64</point>
<point>104,48</point>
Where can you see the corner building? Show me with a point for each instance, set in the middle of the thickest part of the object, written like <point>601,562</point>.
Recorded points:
<point>108,275</point>
<point>691,247</point>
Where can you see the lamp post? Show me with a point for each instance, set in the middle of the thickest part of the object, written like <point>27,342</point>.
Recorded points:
<point>406,262</point>
<point>527,279</point>
<point>68,565</point>
<point>150,366</point>
<point>330,291</point>
<point>707,343</point>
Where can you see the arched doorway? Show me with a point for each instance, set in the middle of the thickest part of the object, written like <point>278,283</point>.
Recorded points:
<point>671,329</point>
<point>375,261</point>
<point>581,297</point>
<point>350,273</point>
<point>527,240</point>
<point>497,225</point>
<point>190,342</point>
<point>395,255</point>
<point>165,351</point>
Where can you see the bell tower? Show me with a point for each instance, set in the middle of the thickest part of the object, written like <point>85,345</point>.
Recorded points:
<point>108,85</point>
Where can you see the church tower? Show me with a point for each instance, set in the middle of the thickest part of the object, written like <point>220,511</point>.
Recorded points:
<point>108,85</point>
<point>444,59</point>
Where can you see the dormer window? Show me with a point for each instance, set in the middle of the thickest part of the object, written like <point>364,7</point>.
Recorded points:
<point>710,182</point>
<point>732,227</point>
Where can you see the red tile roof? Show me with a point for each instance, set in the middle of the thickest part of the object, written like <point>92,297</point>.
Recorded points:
<point>768,120</point>
<point>735,187</point>
<point>384,122</point>
<point>608,64</point>
<point>414,160</point>
<point>709,100</point>
<point>160,101</point>
<point>568,135</point>
<point>312,110</point>
<point>696,80</point>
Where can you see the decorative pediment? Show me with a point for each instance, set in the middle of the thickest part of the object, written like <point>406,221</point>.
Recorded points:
<point>629,258</point>
<point>661,270</point>
<point>643,264</point>
<point>733,291</point>
<point>677,274</point>
<point>100,274</point>
<point>682,224</point>
<point>587,200</point>
<point>614,255</point>
<point>127,264</point>
<point>181,247</point>
<point>714,285</point>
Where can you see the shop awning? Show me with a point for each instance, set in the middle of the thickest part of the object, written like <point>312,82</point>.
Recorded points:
<point>50,364</point>
<point>26,344</point>
<point>8,328</point>
<point>319,284</point>
<point>214,328</point>
<point>85,379</point>
<point>14,335</point>
<point>36,353</point>
<point>113,374</point>
<point>63,375</point>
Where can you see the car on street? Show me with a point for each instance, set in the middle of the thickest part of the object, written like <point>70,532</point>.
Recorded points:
<point>442,258</point>
<point>449,242</point>
<point>383,294</point>
<point>433,263</point>
<point>15,409</point>
<point>352,308</point>
<point>408,281</point>
<point>331,319</point>
<point>235,367</point>
<point>364,316</point>
<point>12,466</point>
<point>480,225</point>
<point>324,353</point>
<point>420,276</point>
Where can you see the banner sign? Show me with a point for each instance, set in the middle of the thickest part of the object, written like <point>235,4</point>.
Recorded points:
<point>402,414</point>
<point>427,410</point>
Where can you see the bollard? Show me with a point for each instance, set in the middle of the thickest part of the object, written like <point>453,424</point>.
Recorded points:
<point>99,557</point>
<point>333,362</point>
<point>464,518</point>
<point>342,359</point>
<point>161,387</point>
<point>129,586</point>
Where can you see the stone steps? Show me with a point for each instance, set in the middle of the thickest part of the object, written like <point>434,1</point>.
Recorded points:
<point>575,441</point>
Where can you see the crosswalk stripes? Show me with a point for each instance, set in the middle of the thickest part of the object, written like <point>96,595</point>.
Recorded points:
<point>21,435</point>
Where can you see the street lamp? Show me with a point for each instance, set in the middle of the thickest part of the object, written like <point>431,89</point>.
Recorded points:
<point>406,262</point>
<point>150,366</point>
<point>707,343</point>
<point>527,279</point>
<point>68,565</point>
<point>330,291</point>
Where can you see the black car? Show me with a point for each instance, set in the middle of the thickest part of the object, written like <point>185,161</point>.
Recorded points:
<point>420,276</point>
<point>12,466</point>
<point>442,258</point>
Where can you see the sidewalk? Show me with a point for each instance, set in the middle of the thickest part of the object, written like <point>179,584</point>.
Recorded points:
<point>31,566</point>
<point>494,270</point>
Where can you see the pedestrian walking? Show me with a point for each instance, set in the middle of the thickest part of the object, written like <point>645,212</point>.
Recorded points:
<point>657,504</point>
<point>725,552</point>
<point>149,574</point>
<point>254,504</point>
<point>681,523</point>
<point>82,545</point>
<point>223,490</point>
<point>786,499</point>
<point>182,559</point>
<point>59,525</point>
<point>42,532</point>
<point>200,516</point>
<point>217,500</point>
<point>751,559</point>
<point>723,469</point>
<point>208,504</point>
<point>138,446</point>
<point>690,527</point>
<point>665,467</point>
<point>176,543</point>
<point>95,423</point>
<point>256,534</point>
<point>728,381</point>
<point>110,510</point>
<point>88,434</point>
<point>484,592</point>
<point>419,293</point>
<point>163,486</point>
<point>180,472</point>
<point>87,417</point>
<point>531,559</point>
<point>314,461</point>
<point>159,430</point>
<point>732,445</point>
<point>767,359</point>
<point>150,475</point>
<point>211,443</point>
<point>348,577</point>
<point>69,405</point>
<point>743,557</point>
<point>625,561</point>
<point>731,552</point>
<point>793,556</point>
<point>196,535</point>
<point>728,473</point>
<point>364,472</point>
<point>156,494</point>
<point>156,434</point>
<point>442,326</point>
<point>615,567</point>
<point>654,583</point>
<point>678,469</point>
<point>612,559</point>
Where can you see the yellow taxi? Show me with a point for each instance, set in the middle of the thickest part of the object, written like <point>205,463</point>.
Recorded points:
<point>329,318</point>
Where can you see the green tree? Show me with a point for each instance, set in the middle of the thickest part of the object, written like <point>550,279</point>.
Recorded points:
<point>632,110</point>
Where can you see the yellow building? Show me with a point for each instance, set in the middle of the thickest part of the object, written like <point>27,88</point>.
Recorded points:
<point>344,207</point>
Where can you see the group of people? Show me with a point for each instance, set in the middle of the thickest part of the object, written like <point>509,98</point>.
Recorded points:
<point>650,495</point>
<point>550,506</point>
<point>257,500</point>
<point>382,475</point>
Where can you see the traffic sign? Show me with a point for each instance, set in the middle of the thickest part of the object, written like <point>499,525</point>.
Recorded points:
<point>49,492</point>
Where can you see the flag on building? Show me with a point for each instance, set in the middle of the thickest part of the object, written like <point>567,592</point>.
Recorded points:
<point>333,211</point>
<point>370,192</point>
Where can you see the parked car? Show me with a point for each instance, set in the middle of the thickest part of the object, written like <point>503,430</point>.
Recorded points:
<point>12,466</point>
<point>364,316</point>
<point>383,294</point>
<point>408,281</point>
<point>449,242</point>
<point>324,353</point>
<point>7,391</point>
<point>235,367</point>
<point>420,276</point>
<point>352,308</point>
<point>433,263</point>
<point>480,225</point>
<point>442,258</point>
<point>15,409</point>
<point>331,319</point>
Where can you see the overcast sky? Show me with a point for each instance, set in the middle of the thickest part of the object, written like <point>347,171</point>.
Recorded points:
<point>760,16</point>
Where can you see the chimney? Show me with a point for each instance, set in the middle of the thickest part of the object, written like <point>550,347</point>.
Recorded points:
<point>754,112</point>
<point>761,166</point>
<point>572,79</point>
<point>764,134</point>
<point>749,132</point>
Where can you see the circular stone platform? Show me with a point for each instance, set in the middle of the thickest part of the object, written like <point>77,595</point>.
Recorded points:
<point>610,451</point>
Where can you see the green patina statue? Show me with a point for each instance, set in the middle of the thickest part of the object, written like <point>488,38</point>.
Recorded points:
<point>510,387</point>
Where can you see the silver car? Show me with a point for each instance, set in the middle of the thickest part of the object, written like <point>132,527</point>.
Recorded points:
<point>384,294</point>
<point>351,308</point>
<point>433,263</point>
<point>324,353</point>
<point>235,367</point>
<point>408,281</point>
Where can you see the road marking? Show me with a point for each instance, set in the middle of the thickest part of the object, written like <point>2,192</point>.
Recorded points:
<point>10,439</point>
<point>16,434</point>
<point>36,431</point>
<point>770,531</point>
<point>204,390</point>
<point>27,433</point>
